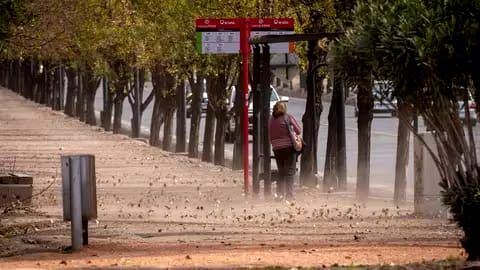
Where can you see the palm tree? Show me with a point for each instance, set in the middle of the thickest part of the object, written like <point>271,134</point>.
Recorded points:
<point>429,49</point>
<point>353,58</point>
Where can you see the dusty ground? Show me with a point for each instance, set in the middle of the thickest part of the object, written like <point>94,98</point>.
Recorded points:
<point>165,210</point>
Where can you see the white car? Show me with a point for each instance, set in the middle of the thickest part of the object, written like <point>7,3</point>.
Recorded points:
<point>472,110</point>
<point>383,100</point>
<point>203,104</point>
<point>230,130</point>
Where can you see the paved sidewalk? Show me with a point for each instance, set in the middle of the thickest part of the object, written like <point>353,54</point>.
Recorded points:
<point>163,209</point>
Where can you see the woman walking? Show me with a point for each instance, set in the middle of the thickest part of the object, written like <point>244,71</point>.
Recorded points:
<point>281,126</point>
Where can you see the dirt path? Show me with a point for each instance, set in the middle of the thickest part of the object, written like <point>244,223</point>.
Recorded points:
<point>163,209</point>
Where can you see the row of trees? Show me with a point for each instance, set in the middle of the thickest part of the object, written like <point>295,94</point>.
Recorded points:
<point>125,42</point>
<point>121,41</point>
<point>429,51</point>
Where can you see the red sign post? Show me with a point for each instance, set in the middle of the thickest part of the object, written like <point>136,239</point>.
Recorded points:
<point>228,44</point>
<point>245,51</point>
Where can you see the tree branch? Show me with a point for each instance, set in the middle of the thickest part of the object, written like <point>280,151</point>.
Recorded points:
<point>148,100</point>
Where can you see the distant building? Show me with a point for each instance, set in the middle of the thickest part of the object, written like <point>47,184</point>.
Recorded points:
<point>287,76</point>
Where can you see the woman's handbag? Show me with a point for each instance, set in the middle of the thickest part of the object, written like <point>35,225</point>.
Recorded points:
<point>297,140</point>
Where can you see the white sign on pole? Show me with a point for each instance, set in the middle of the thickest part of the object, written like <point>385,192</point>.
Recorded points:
<point>228,42</point>
<point>221,37</point>
<point>275,47</point>
<point>228,48</point>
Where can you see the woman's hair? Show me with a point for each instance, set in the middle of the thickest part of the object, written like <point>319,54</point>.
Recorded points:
<point>279,109</point>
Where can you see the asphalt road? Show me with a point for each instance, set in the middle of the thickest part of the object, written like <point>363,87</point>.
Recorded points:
<point>384,140</point>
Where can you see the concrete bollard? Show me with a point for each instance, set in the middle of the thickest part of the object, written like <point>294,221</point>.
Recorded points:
<point>427,191</point>
<point>79,195</point>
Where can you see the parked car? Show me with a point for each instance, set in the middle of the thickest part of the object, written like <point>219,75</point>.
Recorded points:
<point>472,110</point>
<point>230,129</point>
<point>383,100</point>
<point>203,104</point>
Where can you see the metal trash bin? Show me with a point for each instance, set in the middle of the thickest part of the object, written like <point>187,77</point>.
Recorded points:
<point>79,195</point>
<point>88,185</point>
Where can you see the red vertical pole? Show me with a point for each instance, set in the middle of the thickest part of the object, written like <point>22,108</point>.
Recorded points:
<point>245,51</point>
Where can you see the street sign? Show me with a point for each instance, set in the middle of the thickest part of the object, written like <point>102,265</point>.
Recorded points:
<point>286,47</point>
<point>231,36</point>
<point>222,36</point>
<point>218,42</point>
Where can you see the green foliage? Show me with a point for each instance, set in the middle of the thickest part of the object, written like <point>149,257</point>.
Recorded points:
<point>12,14</point>
<point>141,33</point>
<point>7,14</point>
<point>429,51</point>
<point>425,48</point>
<point>464,203</point>
<point>311,16</point>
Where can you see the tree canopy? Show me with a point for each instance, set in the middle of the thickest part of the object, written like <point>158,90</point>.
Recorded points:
<point>428,50</point>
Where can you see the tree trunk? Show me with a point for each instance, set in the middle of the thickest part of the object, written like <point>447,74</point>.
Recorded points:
<point>217,94</point>
<point>208,135</point>
<point>17,75</point>
<point>90,100</point>
<point>237,136</point>
<point>164,105</point>
<point>45,85</point>
<point>2,73</point>
<point>25,68</point>
<point>90,84</point>
<point>157,120</point>
<point>13,76</point>
<point>37,80</point>
<point>16,72</point>
<point>136,103</point>
<point>156,124</point>
<point>58,83</point>
<point>28,72</point>
<point>330,171</point>
<point>23,78</point>
<point>6,79</point>
<point>220,137</point>
<point>108,110</point>
<point>62,86</point>
<point>365,116</point>
<point>48,91</point>
<point>403,141</point>
<point>80,106</point>
<point>196,116</point>
<point>52,85</point>
<point>311,122</point>
<point>5,70</point>
<point>117,117</point>
<point>71,91</point>
<point>341,139</point>
<point>135,123</point>
<point>476,95</point>
<point>181,143</point>
<point>8,73</point>
<point>10,76</point>
<point>157,115</point>
<point>119,82</point>
<point>167,129</point>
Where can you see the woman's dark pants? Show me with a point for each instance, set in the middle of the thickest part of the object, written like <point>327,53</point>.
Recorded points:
<point>286,162</point>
